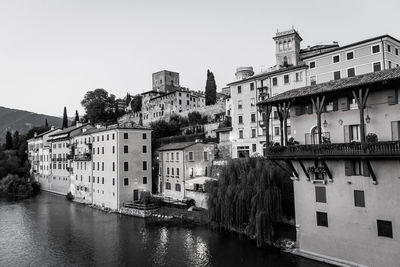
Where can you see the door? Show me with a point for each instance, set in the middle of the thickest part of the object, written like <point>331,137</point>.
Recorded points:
<point>135,195</point>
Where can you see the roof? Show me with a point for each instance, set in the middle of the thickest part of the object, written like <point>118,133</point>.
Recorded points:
<point>342,84</point>
<point>68,130</point>
<point>47,132</point>
<point>353,44</point>
<point>152,91</point>
<point>123,126</point>
<point>177,146</point>
<point>224,129</point>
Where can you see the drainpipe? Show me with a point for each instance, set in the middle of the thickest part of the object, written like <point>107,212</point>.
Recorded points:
<point>383,54</point>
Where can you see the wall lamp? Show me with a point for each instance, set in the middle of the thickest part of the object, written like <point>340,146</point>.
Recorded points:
<point>325,124</point>
<point>367,119</point>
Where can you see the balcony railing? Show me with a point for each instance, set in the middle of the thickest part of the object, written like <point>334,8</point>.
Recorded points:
<point>338,150</point>
<point>83,157</point>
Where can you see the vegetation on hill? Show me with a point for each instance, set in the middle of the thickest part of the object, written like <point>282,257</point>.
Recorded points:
<point>250,197</point>
<point>136,103</point>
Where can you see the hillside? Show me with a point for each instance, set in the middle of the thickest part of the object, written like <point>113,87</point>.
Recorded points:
<point>22,121</point>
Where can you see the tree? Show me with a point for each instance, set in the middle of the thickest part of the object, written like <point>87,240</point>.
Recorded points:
<point>136,103</point>
<point>195,118</point>
<point>100,106</point>
<point>76,118</point>
<point>211,89</point>
<point>46,124</point>
<point>65,119</point>
<point>9,141</point>
<point>128,99</point>
<point>16,140</point>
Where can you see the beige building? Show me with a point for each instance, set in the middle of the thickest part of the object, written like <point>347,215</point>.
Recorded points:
<point>180,162</point>
<point>346,181</point>
<point>295,68</point>
<point>111,165</point>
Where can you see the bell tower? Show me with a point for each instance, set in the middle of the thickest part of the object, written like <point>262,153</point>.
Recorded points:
<point>287,45</point>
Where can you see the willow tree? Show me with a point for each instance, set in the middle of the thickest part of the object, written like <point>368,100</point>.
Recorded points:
<point>247,198</point>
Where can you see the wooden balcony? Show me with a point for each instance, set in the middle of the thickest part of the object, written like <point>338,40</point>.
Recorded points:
<point>83,157</point>
<point>390,149</point>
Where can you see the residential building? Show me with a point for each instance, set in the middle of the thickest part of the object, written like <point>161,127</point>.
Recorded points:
<point>180,162</point>
<point>295,68</point>
<point>111,165</point>
<point>346,168</point>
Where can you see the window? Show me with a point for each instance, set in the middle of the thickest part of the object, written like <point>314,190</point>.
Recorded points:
<point>320,194</point>
<point>389,48</point>
<point>167,171</point>
<point>113,149</point>
<point>286,79</point>
<point>376,49</point>
<point>102,166</point>
<point>102,180</point>
<point>172,156</point>
<point>359,200</point>
<point>322,219</point>
<point>240,134</point>
<point>205,155</point>
<point>240,105</point>
<point>126,167</point>
<point>239,89</point>
<point>125,149</point>
<point>177,187</point>
<point>254,147</point>
<point>144,149</point>
<point>126,181</point>
<point>240,119</point>
<point>396,50</point>
<point>395,127</point>
<point>351,133</point>
<point>336,59</point>
<point>251,86</point>
<point>113,166</point>
<point>144,136</point>
<point>288,130</point>
<point>102,150</point>
<point>313,80</point>
<point>336,75</point>
<point>172,172</point>
<point>389,64</point>
<point>98,180</point>
<point>384,228</point>
<point>276,131</point>
<point>177,156</point>
<point>177,172</point>
<point>145,165</point>
<point>275,81</point>
<point>253,117</point>
<point>125,135</point>
<point>113,181</point>
<point>350,55</point>
<point>144,180</point>
<point>253,133</point>
<point>351,72</point>
<point>299,77</point>
<point>252,102</point>
<point>191,156</point>
<point>168,186</point>
<point>356,168</point>
<point>312,64</point>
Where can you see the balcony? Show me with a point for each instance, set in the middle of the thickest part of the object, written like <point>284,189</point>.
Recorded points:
<point>390,149</point>
<point>83,157</point>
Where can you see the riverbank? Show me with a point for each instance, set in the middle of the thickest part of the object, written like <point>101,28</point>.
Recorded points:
<point>15,187</point>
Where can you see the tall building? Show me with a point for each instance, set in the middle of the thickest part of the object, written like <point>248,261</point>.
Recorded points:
<point>165,81</point>
<point>295,68</point>
<point>346,167</point>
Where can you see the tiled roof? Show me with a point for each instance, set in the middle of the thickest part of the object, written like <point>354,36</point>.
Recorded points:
<point>342,84</point>
<point>126,125</point>
<point>67,130</point>
<point>47,132</point>
<point>176,146</point>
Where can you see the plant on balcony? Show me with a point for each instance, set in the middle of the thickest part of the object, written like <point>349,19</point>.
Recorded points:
<point>371,138</point>
<point>326,140</point>
<point>317,170</point>
<point>292,142</point>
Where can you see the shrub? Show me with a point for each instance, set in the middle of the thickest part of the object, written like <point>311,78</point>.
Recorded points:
<point>69,196</point>
<point>371,138</point>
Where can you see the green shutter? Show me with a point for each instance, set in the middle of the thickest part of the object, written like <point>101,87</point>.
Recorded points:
<point>395,130</point>
<point>392,97</point>
<point>348,170</point>
<point>346,133</point>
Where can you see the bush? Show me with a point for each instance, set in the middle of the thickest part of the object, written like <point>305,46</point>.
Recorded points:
<point>69,196</point>
<point>371,138</point>
<point>13,185</point>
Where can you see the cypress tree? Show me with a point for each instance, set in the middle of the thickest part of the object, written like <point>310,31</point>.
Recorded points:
<point>65,119</point>
<point>76,118</point>
<point>128,99</point>
<point>46,124</point>
<point>9,141</point>
<point>16,140</point>
<point>211,89</point>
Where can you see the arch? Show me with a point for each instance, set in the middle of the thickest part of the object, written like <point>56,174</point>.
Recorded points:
<point>314,135</point>
<point>285,60</point>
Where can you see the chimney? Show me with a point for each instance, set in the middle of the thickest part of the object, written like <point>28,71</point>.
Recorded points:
<point>52,128</point>
<point>35,134</point>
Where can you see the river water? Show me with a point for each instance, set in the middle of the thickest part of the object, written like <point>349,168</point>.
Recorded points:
<point>50,231</point>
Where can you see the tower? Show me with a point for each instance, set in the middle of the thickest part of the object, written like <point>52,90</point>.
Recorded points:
<point>165,81</point>
<point>287,45</point>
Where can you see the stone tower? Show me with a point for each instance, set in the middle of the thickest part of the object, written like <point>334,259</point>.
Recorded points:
<point>165,81</point>
<point>287,48</point>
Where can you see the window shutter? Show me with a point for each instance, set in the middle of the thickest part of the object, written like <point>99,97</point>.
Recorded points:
<point>348,168</point>
<point>365,169</point>
<point>346,133</point>
<point>344,103</point>
<point>307,138</point>
<point>392,97</point>
<point>395,130</point>
<point>335,105</point>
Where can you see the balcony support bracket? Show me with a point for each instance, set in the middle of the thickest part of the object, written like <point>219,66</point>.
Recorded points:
<point>280,166</point>
<point>328,172</point>
<point>294,172</point>
<point>304,169</point>
<point>371,171</point>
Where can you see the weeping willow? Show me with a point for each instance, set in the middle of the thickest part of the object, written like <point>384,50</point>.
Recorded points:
<point>247,198</point>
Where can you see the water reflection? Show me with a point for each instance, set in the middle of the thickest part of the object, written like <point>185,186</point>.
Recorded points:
<point>50,231</point>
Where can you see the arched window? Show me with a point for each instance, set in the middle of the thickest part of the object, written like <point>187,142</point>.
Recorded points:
<point>314,135</point>
<point>285,62</point>
<point>280,46</point>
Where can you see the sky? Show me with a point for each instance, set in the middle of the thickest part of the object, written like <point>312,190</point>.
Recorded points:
<point>52,52</point>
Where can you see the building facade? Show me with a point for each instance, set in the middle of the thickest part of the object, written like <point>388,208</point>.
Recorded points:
<point>295,68</point>
<point>180,162</point>
<point>346,168</point>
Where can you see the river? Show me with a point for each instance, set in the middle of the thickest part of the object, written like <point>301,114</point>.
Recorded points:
<point>50,231</point>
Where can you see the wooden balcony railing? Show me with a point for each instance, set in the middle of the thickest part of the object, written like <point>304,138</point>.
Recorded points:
<point>337,150</point>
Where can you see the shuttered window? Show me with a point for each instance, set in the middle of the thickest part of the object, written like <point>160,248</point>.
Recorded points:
<point>395,130</point>
<point>351,133</point>
<point>359,200</point>
<point>384,228</point>
<point>320,194</point>
<point>344,103</point>
<point>393,97</point>
<point>322,219</point>
<point>356,168</point>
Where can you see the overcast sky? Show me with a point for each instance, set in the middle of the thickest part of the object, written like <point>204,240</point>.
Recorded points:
<point>53,51</point>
